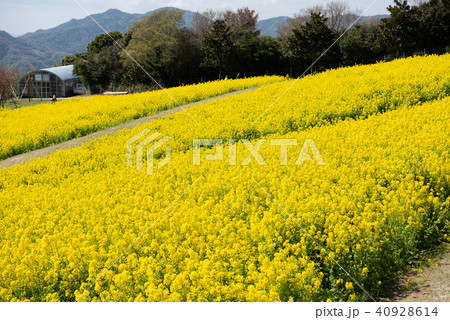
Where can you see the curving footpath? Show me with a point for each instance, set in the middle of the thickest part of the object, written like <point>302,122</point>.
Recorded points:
<point>26,157</point>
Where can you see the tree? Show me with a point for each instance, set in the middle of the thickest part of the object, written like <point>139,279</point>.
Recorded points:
<point>285,30</point>
<point>435,20</point>
<point>243,20</point>
<point>402,31</point>
<point>234,46</point>
<point>356,45</point>
<point>244,36</point>
<point>217,47</point>
<point>70,59</point>
<point>100,66</point>
<point>102,41</point>
<point>339,17</point>
<point>266,56</point>
<point>203,22</point>
<point>154,45</point>
<point>8,80</point>
<point>309,41</point>
<point>187,57</point>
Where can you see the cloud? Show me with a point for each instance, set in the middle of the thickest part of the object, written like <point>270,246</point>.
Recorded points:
<point>177,3</point>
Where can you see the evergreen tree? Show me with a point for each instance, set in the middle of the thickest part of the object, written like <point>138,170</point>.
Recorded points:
<point>402,31</point>
<point>309,41</point>
<point>217,47</point>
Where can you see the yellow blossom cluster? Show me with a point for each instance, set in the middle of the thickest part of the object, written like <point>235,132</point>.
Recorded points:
<point>314,101</point>
<point>35,127</point>
<point>245,231</point>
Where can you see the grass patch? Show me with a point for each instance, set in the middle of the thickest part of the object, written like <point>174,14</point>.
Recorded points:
<point>25,103</point>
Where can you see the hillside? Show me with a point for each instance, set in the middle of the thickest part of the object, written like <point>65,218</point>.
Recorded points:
<point>74,35</point>
<point>269,27</point>
<point>26,54</point>
<point>43,48</point>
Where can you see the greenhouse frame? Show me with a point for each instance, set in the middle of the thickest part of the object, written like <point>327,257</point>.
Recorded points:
<point>45,83</point>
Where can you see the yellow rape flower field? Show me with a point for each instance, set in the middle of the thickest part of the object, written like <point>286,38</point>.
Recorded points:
<point>244,232</point>
<point>27,129</point>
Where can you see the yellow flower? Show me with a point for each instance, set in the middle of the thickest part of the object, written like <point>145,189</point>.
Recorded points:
<point>66,218</point>
<point>365,272</point>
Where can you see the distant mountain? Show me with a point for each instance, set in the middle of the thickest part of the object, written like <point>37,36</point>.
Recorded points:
<point>269,27</point>
<point>74,36</point>
<point>44,48</point>
<point>24,54</point>
<point>380,16</point>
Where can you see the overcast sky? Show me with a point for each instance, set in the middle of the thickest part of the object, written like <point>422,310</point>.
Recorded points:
<point>21,16</point>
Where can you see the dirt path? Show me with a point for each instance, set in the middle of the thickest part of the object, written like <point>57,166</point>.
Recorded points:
<point>26,157</point>
<point>431,285</point>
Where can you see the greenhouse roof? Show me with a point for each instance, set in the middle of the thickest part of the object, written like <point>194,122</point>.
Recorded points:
<point>64,72</point>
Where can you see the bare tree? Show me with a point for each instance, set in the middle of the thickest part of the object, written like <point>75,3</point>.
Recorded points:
<point>314,9</point>
<point>370,22</point>
<point>339,17</point>
<point>299,19</point>
<point>242,19</point>
<point>8,82</point>
<point>203,22</point>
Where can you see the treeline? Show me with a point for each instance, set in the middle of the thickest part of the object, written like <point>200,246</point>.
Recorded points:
<point>228,44</point>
